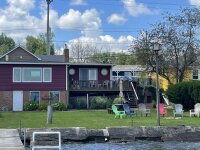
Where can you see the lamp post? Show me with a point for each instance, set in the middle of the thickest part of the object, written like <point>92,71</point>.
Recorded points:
<point>48,28</point>
<point>156,48</point>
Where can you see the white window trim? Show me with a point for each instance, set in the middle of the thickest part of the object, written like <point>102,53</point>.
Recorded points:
<point>50,74</point>
<point>20,74</point>
<point>30,95</point>
<point>55,91</point>
<point>197,74</point>
<point>31,68</point>
<point>89,73</point>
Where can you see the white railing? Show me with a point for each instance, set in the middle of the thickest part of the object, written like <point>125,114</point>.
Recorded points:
<point>42,146</point>
<point>134,91</point>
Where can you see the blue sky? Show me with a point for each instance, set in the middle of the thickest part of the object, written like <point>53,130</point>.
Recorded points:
<point>111,24</point>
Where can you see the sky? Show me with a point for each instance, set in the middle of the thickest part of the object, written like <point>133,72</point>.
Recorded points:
<point>111,25</point>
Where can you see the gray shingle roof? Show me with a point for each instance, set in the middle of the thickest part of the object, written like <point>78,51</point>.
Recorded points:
<point>52,58</point>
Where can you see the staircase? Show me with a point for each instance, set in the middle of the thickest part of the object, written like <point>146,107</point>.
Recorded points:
<point>131,100</point>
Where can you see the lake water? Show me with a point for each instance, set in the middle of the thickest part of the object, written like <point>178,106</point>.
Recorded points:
<point>135,146</point>
<point>139,145</point>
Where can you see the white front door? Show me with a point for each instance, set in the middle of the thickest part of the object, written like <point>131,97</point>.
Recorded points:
<point>17,100</point>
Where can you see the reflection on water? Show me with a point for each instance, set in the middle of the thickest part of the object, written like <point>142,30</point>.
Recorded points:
<point>135,146</point>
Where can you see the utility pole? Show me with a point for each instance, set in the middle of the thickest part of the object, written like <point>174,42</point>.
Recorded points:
<point>49,108</point>
<point>48,28</point>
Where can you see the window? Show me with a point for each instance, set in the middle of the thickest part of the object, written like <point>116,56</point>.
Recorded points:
<point>195,74</point>
<point>88,74</point>
<point>55,95</point>
<point>16,74</point>
<point>47,73</point>
<point>32,74</point>
<point>35,96</point>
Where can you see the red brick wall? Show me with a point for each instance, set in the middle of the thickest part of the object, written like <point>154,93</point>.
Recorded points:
<point>6,97</point>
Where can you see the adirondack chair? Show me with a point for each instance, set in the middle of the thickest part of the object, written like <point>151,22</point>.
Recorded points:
<point>143,110</point>
<point>118,114</point>
<point>128,111</point>
<point>163,111</point>
<point>196,110</point>
<point>178,110</point>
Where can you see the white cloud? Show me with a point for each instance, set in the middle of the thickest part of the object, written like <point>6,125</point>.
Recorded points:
<point>78,2</point>
<point>136,9</point>
<point>195,2</point>
<point>24,5</point>
<point>17,22</point>
<point>116,19</point>
<point>88,22</point>
<point>107,42</point>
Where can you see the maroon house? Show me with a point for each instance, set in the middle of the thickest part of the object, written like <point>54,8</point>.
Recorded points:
<point>25,76</point>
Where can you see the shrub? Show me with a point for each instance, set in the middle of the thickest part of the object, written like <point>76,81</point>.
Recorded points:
<point>119,100</point>
<point>185,93</point>
<point>109,102</point>
<point>31,105</point>
<point>59,106</point>
<point>98,102</point>
<point>42,106</point>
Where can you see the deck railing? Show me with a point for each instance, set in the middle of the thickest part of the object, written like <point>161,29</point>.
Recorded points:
<point>94,85</point>
<point>110,85</point>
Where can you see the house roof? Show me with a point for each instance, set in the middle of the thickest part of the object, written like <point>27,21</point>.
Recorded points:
<point>128,68</point>
<point>89,64</point>
<point>52,58</point>
<point>21,48</point>
<point>37,59</point>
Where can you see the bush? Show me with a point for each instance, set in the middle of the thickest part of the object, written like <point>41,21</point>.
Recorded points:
<point>119,100</point>
<point>78,103</point>
<point>59,106</point>
<point>43,107</point>
<point>185,93</point>
<point>31,105</point>
<point>98,102</point>
<point>109,102</point>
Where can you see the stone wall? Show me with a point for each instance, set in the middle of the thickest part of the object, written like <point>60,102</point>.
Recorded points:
<point>119,134</point>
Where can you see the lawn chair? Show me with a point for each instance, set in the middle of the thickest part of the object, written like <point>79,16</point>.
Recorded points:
<point>143,110</point>
<point>118,114</point>
<point>127,110</point>
<point>196,110</point>
<point>178,110</point>
<point>163,111</point>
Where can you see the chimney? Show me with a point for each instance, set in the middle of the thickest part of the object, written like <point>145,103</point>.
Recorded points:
<point>66,53</point>
<point>6,58</point>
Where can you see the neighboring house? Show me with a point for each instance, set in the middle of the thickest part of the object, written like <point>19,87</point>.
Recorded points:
<point>127,71</point>
<point>25,76</point>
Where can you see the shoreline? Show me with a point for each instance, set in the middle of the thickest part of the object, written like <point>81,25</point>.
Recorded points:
<point>123,134</point>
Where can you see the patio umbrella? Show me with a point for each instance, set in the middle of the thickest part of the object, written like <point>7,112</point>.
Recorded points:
<point>121,89</point>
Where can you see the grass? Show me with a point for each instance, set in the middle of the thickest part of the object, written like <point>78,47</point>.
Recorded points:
<point>95,119</point>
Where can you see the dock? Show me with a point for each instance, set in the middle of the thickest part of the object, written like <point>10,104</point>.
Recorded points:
<point>10,140</point>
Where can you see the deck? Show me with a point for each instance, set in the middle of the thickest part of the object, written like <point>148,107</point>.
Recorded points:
<point>10,140</point>
<point>95,85</point>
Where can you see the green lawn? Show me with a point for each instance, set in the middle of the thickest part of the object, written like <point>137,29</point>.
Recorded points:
<point>87,118</point>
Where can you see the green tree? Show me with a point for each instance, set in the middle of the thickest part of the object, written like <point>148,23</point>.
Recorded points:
<point>125,59</point>
<point>37,45</point>
<point>6,44</point>
<point>105,58</point>
<point>113,58</point>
